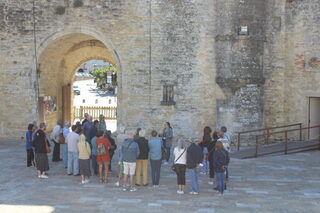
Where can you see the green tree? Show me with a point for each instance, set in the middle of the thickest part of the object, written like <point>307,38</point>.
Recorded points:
<point>100,74</point>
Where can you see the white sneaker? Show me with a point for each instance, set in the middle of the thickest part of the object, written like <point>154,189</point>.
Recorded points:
<point>180,192</point>
<point>125,189</point>
<point>86,181</point>
<point>133,189</point>
<point>193,193</point>
<point>210,183</point>
<point>44,176</point>
<point>83,182</point>
<point>117,183</point>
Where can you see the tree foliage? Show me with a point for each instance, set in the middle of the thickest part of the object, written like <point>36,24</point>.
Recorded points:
<point>100,74</point>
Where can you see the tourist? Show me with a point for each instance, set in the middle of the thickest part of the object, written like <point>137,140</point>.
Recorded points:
<point>142,160</point>
<point>194,159</point>
<point>94,153</point>
<point>211,148</point>
<point>226,145</point>
<point>85,119</point>
<point>121,136</point>
<point>87,127</point>
<point>167,137</point>
<point>130,152</point>
<point>113,147</point>
<point>34,129</point>
<point>119,140</point>
<point>221,160</point>
<point>103,156</point>
<point>94,130</point>
<point>41,147</point>
<point>65,131</point>
<point>136,135</point>
<point>54,137</point>
<point>84,159</point>
<point>72,141</point>
<point>206,140</point>
<point>120,165</point>
<point>155,154</point>
<point>102,124</point>
<point>79,127</point>
<point>225,134</point>
<point>29,148</point>
<point>180,161</point>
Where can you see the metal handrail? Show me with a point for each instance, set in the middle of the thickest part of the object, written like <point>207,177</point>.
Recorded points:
<point>285,136</point>
<point>268,132</point>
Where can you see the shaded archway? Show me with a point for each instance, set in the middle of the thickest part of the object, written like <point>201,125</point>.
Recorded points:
<point>58,61</point>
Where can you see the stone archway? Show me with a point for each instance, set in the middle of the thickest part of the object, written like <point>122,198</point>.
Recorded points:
<point>57,63</point>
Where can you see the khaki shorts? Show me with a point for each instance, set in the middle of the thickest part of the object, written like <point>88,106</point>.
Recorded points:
<point>129,168</point>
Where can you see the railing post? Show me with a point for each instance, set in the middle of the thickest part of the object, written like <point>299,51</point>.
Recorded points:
<point>268,136</point>
<point>238,141</point>
<point>300,126</point>
<point>319,139</point>
<point>81,113</point>
<point>257,145</point>
<point>286,142</point>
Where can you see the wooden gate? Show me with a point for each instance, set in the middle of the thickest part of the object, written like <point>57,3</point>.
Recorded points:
<point>110,113</point>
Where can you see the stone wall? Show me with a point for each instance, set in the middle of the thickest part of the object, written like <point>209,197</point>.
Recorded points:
<point>219,77</point>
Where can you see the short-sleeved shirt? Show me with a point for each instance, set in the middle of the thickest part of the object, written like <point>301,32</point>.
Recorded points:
<point>106,143</point>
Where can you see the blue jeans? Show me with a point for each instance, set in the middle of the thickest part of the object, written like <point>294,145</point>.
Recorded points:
<point>155,171</point>
<point>193,173</point>
<point>73,163</point>
<point>65,154</point>
<point>94,164</point>
<point>220,181</point>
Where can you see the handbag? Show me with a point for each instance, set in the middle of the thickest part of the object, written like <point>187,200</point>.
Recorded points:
<point>61,139</point>
<point>47,147</point>
<point>174,166</point>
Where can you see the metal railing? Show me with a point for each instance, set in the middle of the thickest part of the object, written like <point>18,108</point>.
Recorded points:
<point>285,132</point>
<point>268,132</point>
<point>110,113</point>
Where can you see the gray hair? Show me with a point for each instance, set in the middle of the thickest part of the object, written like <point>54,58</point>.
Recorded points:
<point>59,122</point>
<point>181,143</point>
<point>67,123</point>
<point>142,133</point>
<point>122,129</point>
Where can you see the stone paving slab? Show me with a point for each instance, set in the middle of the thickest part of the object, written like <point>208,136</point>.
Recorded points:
<point>267,184</point>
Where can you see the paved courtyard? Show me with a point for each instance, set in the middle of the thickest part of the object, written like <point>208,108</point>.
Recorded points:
<point>268,184</point>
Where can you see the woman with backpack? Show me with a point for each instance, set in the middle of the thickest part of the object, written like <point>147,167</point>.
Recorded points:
<point>103,156</point>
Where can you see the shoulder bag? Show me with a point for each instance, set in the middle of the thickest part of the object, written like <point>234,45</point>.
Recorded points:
<point>174,166</point>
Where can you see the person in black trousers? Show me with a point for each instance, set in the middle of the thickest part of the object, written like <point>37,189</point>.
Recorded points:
<point>55,134</point>
<point>29,148</point>
<point>113,147</point>
<point>211,148</point>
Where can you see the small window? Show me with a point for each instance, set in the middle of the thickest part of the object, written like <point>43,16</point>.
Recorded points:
<point>243,30</point>
<point>109,101</point>
<point>168,95</point>
<point>96,101</point>
<point>83,100</point>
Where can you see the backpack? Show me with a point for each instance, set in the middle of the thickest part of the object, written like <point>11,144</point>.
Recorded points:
<point>101,150</point>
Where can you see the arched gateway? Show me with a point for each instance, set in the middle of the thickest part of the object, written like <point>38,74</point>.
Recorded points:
<point>60,55</point>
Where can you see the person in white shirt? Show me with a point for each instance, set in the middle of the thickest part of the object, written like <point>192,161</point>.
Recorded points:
<point>54,137</point>
<point>180,161</point>
<point>73,152</point>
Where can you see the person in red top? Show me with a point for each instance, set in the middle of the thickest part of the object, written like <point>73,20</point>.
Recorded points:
<point>103,157</point>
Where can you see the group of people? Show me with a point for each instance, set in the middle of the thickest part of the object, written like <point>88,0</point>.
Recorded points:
<point>89,149</point>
